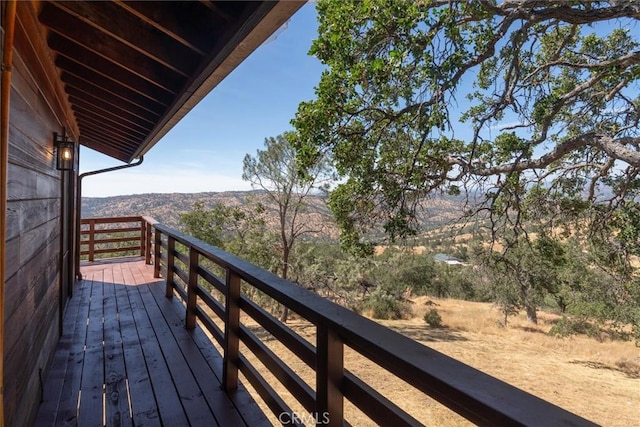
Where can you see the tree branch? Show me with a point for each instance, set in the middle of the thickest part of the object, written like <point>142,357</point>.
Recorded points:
<point>612,147</point>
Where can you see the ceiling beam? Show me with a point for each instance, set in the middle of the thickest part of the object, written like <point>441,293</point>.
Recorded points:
<point>108,19</point>
<point>114,140</point>
<point>125,129</point>
<point>109,48</point>
<point>92,124</point>
<point>107,104</point>
<point>90,69</point>
<point>101,108</point>
<point>184,21</point>
<point>107,88</point>
<point>105,149</point>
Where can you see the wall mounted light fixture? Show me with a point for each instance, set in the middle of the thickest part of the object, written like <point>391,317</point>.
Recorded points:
<point>65,151</point>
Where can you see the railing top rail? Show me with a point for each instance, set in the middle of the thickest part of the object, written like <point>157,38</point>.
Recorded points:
<point>149,220</point>
<point>111,220</point>
<point>482,399</point>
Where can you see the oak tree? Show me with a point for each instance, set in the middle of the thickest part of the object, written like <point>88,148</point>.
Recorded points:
<point>496,99</point>
<point>275,171</point>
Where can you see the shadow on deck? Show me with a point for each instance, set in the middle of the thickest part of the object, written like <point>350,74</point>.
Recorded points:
<point>125,358</point>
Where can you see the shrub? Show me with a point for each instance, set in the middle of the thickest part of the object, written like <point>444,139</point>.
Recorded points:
<point>384,305</point>
<point>567,327</point>
<point>433,319</point>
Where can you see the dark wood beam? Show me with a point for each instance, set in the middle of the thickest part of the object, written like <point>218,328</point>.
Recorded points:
<point>105,149</point>
<point>251,15</point>
<point>109,89</point>
<point>95,65</point>
<point>109,19</point>
<point>106,139</point>
<point>107,130</point>
<point>108,47</point>
<point>104,108</point>
<point>183,21</point>
<point>106,104</point>
<point>112,121</point>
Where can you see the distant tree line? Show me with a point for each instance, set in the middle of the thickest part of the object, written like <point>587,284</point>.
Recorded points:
<point>591,285</point>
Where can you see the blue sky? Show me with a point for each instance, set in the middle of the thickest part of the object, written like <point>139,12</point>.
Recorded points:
<point>204,152</point>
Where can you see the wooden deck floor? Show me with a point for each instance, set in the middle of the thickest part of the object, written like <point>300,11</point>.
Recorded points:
<point>125,359</point>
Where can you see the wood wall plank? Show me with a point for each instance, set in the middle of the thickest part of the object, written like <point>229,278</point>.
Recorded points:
<point>25,184</point>
<point>32,299</point>
<point>27,214</point>
<point>31,275</point>
<point>23,364</point>
<point>32,391</point>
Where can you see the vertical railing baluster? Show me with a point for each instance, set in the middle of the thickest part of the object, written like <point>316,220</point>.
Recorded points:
<point>143,234</point>
<point>231,332</point>
<point>329,376</point>
<point>171,248</point>
<point>157,247</point>
<point>147,240</point>
<point>92,238</point>
<point>192,287</point>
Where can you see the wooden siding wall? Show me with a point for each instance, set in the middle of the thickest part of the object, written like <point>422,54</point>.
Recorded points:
<point>32,298</point>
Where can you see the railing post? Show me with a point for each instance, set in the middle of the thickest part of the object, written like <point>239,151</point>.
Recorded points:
<point>171,247</point>
<point>156,253</point>
<point>329,375</point>
<point>92,237</point>
<point>231,332</point>
<point>143,235</point>
<point>147,240</point>
<point>192,286</point>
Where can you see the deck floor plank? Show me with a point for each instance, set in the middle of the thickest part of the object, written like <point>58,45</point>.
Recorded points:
<point>169,405</point>
<point>51,394</point>
<point>193,401</point>
<point>92,385</point>
<point>125,359</point>
<point>144,409</point>
<point>68,404</point>
<point>224,409</point>
<point>116,395</point>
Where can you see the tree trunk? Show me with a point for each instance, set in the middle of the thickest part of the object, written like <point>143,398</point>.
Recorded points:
<point>284,314</point>
<point>532,314</point>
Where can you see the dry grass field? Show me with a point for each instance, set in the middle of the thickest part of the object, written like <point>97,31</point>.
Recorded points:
<point>596,380</point>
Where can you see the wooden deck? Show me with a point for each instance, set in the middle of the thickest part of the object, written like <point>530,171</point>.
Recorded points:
<point>126,359</point>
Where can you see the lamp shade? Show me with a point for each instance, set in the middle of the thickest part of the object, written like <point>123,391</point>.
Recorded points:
<point>65,151</point>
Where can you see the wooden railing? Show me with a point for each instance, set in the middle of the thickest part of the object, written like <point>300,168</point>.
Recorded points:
<point>108,237</point>
<point>187,264</point>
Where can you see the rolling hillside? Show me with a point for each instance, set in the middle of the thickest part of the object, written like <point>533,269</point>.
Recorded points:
<point>167,208</point>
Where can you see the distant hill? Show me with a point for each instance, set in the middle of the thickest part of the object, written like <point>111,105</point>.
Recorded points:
<point>167,207</point>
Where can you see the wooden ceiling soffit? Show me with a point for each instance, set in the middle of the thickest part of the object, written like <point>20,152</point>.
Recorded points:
<point>105,133</point>
<point>238,42</point>
<point>107,104</point>
<point>108,89</point>
<point>101,107</point>
<point>168,16</point>
<point>132,32</point>
<point>100,43</point>
<point>97,66</point>
<point>109,120</point>
<point>109,138</point>
<point>132,70</point>
<point>100,139</point>
<point>97,145</point>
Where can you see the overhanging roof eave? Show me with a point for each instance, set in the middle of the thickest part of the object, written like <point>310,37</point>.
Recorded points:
<point>256,29</point>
